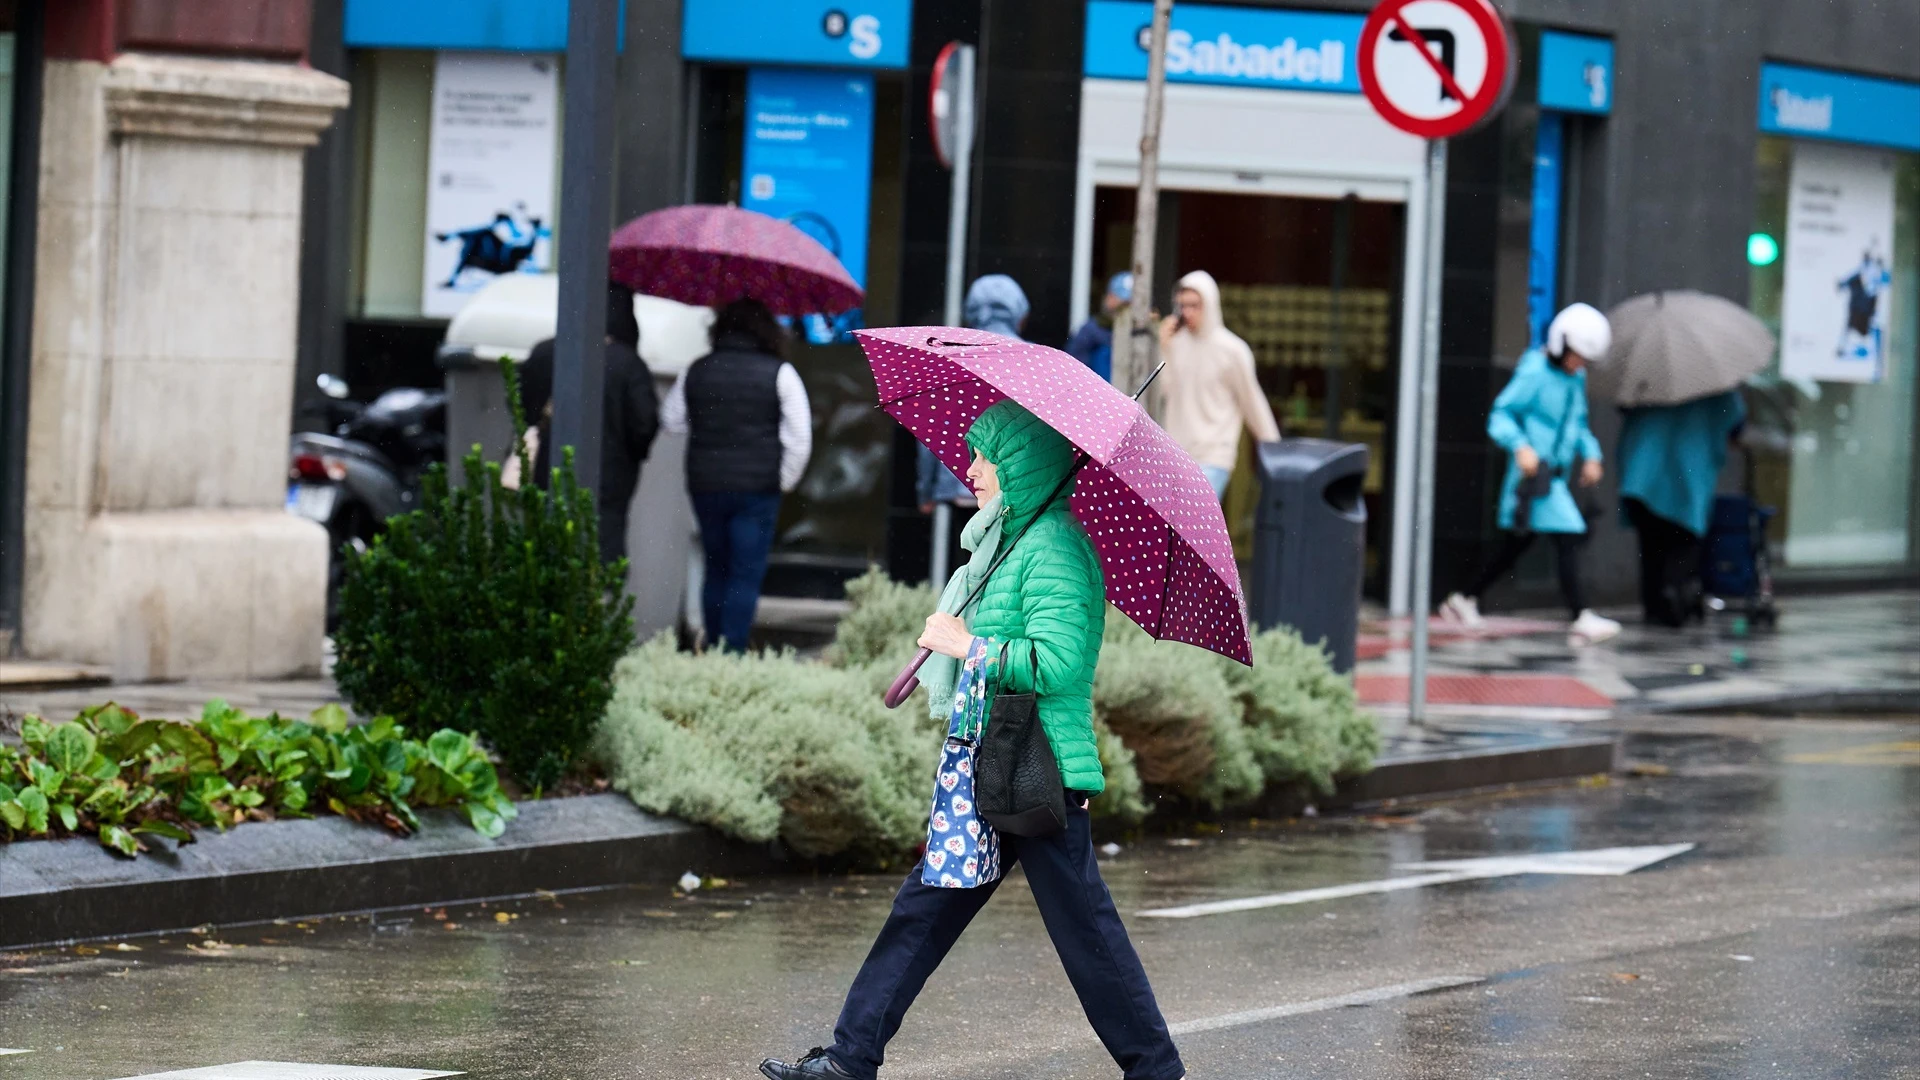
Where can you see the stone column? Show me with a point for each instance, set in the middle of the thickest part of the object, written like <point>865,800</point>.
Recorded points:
<point>163,354</point>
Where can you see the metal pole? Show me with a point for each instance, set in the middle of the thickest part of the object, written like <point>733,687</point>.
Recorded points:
<point>1429,412</point>
<point>586,191</point>
<point>1137,353</point>
<point>960,100</point>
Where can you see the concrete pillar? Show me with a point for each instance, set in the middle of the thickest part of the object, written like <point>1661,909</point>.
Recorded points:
<point>163,354</point>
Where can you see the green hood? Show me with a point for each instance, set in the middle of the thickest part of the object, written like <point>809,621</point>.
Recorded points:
<point>1031,457</point>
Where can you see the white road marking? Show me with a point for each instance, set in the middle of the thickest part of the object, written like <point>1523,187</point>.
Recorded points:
<point>4,1051</point>
<point>1608,862</point>
<point>292,1070</point>
<point>1340,1001</point>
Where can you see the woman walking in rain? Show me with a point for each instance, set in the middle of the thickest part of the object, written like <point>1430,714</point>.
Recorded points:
<point>1044,609</point>
<point>1541,420</point>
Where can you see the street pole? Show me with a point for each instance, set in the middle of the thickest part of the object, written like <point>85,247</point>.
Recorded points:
<point>1425,444</point>
<point>960,101</point>
<point>586,191</point>
<point>1136,352</point>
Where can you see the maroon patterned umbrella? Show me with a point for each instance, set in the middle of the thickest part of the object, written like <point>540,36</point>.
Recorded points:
<point>712,255</point>
<point>1153,517</point>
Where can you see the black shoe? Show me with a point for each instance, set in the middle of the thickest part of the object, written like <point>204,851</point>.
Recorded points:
<point>815,1066</point>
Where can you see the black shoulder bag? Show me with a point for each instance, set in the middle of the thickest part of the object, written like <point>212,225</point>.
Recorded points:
<point>1018,789</point>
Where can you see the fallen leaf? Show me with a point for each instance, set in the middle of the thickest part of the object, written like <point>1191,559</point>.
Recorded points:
<point>716,883</point>
<point>725,914</point>
<point>1648,768</point>
<point>1625,976</point>
<point>121,946</point>
<point>121,974</point>
<point>449,926</point>
<point>502,917</point>
<point>655,913</point>
<point>85,950</point>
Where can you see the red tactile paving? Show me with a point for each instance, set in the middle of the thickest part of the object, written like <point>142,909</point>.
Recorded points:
<point>1540,691</point>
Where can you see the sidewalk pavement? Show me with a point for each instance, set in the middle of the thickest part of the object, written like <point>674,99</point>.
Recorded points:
<point>1854,652</point>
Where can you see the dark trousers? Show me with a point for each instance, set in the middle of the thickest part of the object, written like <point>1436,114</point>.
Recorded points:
<point>1086,932</point>
<point>736,534</point>
<point>1566,548</point>
<point>1669,566</point>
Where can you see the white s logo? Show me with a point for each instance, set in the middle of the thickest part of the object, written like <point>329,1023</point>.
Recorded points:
<point>866,37</point>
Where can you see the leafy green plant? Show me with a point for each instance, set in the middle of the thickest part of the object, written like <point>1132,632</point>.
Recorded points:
<point>112,774</point>
<point>488,609</point>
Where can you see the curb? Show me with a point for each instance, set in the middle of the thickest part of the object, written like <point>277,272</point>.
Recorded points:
<point>1455,772</point>
<point>65,890</point>
<point>1833,700</point>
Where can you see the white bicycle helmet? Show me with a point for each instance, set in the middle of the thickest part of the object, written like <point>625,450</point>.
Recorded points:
<point>1583,329</point>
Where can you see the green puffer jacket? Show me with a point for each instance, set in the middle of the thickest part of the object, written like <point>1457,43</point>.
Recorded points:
<point>1048,600</point>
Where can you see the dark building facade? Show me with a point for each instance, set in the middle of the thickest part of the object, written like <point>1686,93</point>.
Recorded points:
<point>1639,153</point>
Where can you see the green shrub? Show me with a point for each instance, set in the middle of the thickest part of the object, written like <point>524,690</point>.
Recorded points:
<point>768,746</point>
<point>489,610</point>
<point>1303,721</point>
<point>885,621</point>
<point>111,774</point>
<point>772,747</point>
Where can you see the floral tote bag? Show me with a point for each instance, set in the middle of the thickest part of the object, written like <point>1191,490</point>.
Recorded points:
<point>962,849</point>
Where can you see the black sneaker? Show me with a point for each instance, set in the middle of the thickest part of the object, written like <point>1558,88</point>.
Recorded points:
<point>815,1066</point>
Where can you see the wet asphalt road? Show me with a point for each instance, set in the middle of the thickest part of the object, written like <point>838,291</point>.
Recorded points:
<point>1786,945</point>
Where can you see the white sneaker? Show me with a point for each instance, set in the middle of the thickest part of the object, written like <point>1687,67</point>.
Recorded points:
<point>1591,628</point>
<point>1464,610</point>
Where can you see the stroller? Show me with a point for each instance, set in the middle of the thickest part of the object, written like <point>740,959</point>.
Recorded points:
<point>1734,566</point>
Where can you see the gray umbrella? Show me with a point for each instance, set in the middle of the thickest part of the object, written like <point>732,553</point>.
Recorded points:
<point>1670,347</point>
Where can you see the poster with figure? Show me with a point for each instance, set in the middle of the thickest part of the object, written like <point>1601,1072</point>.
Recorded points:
<point>808,160</point>
<point>1839,258</point>
<point>490,170</point>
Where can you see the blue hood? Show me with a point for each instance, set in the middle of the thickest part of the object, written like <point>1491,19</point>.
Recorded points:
<point>996,304</point>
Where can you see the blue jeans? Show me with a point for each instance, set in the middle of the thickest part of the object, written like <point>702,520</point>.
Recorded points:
<point>1218,477</point>
<point>736,533</point>
<point>1086,932</point>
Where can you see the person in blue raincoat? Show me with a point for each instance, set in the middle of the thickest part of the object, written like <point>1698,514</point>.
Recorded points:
<point>1670,462</point>
<point>1540,419</point>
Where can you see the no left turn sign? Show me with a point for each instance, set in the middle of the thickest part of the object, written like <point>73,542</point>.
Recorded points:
<point>1435,68</point>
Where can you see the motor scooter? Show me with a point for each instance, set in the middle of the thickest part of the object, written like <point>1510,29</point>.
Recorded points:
<point>368,469</point>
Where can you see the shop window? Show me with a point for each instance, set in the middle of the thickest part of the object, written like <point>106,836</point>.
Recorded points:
<point>1835,418</point>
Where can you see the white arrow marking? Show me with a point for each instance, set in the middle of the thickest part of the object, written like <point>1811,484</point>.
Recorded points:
<point>1600,862</point>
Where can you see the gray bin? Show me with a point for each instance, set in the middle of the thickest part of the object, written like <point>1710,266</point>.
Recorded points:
<point>1310,542</point>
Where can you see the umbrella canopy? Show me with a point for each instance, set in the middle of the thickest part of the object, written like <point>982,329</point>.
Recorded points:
<point>1149,510</point>
<point>713,255</point>
<point>1670,347</point>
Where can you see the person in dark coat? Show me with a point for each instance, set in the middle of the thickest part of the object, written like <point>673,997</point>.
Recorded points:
<point>749,433</point>
<point>632,411</point>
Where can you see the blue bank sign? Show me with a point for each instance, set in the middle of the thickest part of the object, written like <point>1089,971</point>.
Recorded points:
<point>1228,46</point>
<point>836,33</point>
<point>1576,72</point>
<point>1821,104</point>
<point>497,25</point>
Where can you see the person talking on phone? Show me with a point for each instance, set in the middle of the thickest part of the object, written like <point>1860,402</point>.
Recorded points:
<point>1540,419</point>
<point>1209,392</point>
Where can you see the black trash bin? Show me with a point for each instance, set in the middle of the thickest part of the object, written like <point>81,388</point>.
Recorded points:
<point>1310,542</point>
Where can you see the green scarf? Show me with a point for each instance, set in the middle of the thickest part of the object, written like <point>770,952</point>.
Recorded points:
<point>982,537</point>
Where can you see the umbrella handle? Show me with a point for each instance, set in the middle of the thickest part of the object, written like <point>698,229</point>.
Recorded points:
<point>906,682</point>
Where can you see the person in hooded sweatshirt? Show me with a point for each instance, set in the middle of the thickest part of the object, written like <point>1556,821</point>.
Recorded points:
<point>1209,392</point>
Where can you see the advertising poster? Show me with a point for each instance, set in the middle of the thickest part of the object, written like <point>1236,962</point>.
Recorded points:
<point>490,166</point>
<point>809,160</point>
<point>1839,255</point>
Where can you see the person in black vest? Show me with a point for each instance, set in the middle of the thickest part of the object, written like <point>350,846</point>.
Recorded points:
<point>632,417</point>
<point>750,432</point>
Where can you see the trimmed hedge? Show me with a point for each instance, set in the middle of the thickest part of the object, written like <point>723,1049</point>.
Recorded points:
<point>770,746</point>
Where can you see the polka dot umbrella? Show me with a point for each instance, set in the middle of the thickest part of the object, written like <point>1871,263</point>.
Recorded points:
<point>1152,515</point>
<point>713,255</point>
